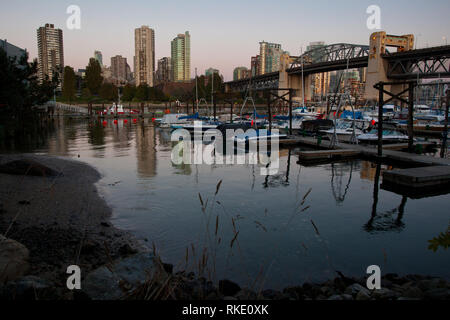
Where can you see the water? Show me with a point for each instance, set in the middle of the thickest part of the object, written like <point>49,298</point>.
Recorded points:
<point>347,227</point>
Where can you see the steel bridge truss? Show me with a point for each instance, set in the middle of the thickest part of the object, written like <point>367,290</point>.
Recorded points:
<point>331,53</point>
<point>423,63</point>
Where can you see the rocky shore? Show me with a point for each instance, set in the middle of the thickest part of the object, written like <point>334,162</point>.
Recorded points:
<point>51,216</point>
<point>50,209</point>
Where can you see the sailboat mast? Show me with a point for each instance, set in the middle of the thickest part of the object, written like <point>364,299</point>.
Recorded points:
<point>196,89</point>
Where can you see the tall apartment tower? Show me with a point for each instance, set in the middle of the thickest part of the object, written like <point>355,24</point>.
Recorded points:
<point>181,58</point>
<point>50,52</point>
<point>144,39</point>
<point>269,55</point>
<point>164,72</point>
<point>99,57</point>
<point>119,69</point>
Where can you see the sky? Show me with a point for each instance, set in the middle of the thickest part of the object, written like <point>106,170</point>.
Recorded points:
<point>224,33</point>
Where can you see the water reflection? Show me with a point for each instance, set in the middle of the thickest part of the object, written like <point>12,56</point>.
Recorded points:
<point>157,200</point>
<point>384,221</point>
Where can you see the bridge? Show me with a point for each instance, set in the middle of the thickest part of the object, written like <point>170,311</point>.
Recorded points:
<point>382,65</point>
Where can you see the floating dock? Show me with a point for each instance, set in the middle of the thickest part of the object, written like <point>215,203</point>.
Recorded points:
<point>418,177</point>
<point>427,172</point>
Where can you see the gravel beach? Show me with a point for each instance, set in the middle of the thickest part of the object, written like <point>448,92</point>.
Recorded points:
<point>61,219</point>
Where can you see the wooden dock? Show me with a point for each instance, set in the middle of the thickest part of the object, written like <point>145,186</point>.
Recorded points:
<point>428,172</point>
<point>418,177</point>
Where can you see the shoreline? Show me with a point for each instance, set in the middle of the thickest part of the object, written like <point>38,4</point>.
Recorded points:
<point>62,220</point>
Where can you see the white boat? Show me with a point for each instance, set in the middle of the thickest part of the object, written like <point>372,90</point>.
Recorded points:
<point>173,118</point>
<point>344,131</point>
<point>388,136</point>
<point>257,135</point>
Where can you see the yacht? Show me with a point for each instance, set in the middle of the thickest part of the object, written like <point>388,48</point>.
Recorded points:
<point>389,136</point>
<point>344,131</point>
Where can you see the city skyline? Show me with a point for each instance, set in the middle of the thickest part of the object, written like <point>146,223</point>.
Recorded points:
<point>216,41</point>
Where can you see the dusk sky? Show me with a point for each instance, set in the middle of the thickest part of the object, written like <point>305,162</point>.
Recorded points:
<point>224,34</point>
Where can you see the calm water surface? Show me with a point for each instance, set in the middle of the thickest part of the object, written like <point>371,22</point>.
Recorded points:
<point>347,227</point>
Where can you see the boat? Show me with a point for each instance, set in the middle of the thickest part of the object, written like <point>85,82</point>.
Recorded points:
<point>344,131</point>
<point>172,118</point>
<point>389,136</point>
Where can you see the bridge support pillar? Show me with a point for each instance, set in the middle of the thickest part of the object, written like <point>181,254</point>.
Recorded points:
<point>377,67</point>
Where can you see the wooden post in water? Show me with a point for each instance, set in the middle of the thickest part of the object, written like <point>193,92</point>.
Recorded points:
<point>410,117</point>
<point>231,111</point>
<point>380,118</point>
<point>290,111</point>
<point>269,112</point>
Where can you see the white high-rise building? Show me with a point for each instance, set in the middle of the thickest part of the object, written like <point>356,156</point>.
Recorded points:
<point>50,52</point>
<point>144,38</point>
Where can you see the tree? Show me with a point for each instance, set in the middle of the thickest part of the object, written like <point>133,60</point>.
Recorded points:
<point>20,89</point>
<point>94,77</point>
<point>142,92</point>
<point>108,92</point>
<point>69,84</point>
<point>129,92</point>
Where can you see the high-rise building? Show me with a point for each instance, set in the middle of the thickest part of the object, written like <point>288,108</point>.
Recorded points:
<point>99,57</point>
<point>269,57</point>
<point>240,73</point>
<point>119,69</point>
<point>11,50</point>
<point>181,57</point>
<point>164,72</point>
<point>50,52</point>
<point>211,71</point>
<point>144,39</point>
<point>255,66</point>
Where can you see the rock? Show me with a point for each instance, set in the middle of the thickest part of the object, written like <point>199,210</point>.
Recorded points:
<point>347,297</point>
<point>228,288</point>
<point>27,167</point>
<point>13,260</point>
<point>127,250</point>
<point>410,291</point>
<point>168,268</point>
<point>327,291</point>
<point>384,294</point>
<point>272,294</point>
<point>229,298</point>
<point>122,277</point>
<point>293,292</point>
<point>355,288</point>
<point>336,297</point>
<point>362,295</point>
<point>245,294</point>
<point>434,283</point>
<point>30,288</point>
<point>437,294</point>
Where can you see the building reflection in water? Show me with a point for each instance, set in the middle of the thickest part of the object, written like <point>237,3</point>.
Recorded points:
<point>146,150</point>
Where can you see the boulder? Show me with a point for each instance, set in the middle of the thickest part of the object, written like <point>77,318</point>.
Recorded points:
<point>228,288</point>
<point>13,260</point>
<point>355,288</point>
<point>27,167</point>
<point>122,277</point>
